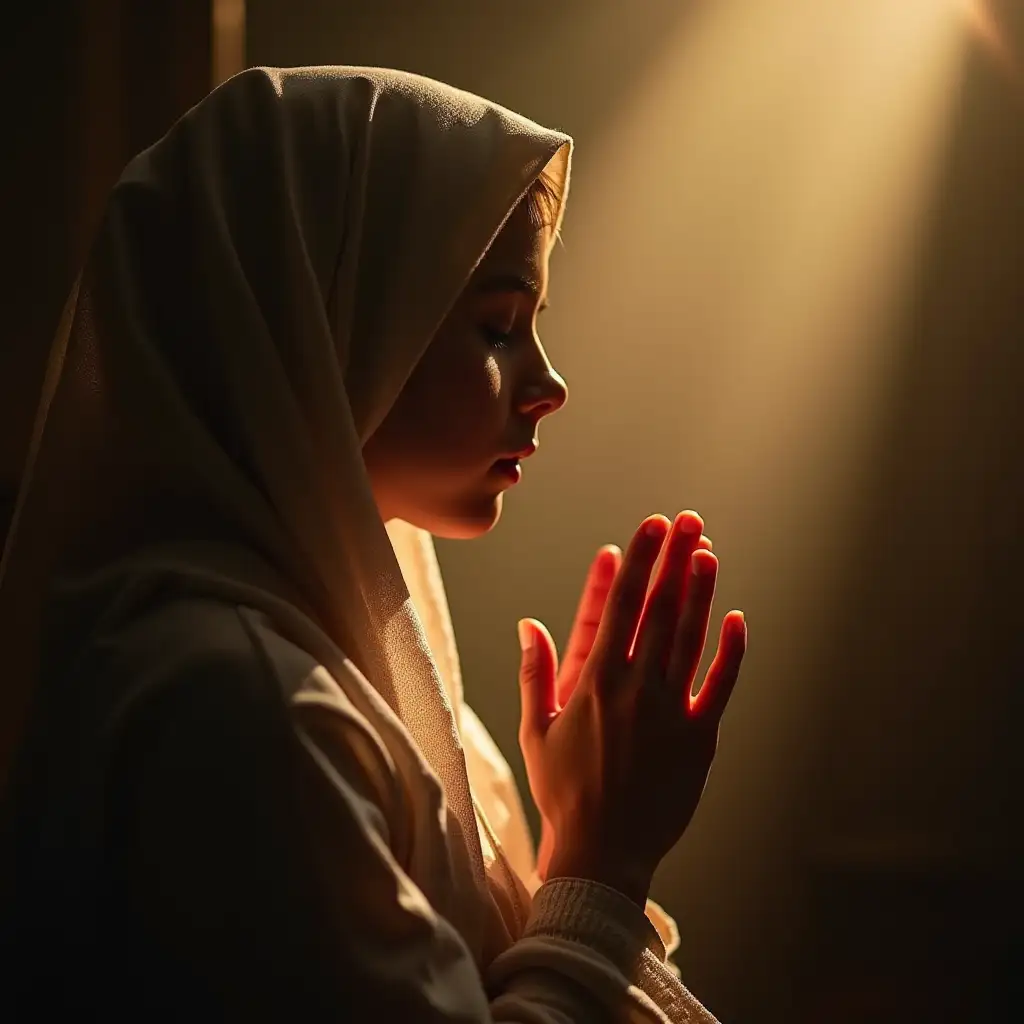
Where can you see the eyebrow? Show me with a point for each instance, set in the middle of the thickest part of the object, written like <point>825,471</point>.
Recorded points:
<point>516,284</point>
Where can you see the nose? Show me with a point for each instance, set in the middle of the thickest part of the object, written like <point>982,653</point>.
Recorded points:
<point>545,393</point>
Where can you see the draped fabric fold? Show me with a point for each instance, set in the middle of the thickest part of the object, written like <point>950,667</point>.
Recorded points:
<point>263,282</point>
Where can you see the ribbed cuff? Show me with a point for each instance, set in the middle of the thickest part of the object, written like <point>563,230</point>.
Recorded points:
<point>580,910</point>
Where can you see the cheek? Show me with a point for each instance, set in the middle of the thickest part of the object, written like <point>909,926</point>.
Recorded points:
<point>459,399</point>
<point>473,401</point>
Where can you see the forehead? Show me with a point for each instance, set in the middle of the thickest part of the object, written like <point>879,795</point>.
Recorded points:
<point>521,248</point>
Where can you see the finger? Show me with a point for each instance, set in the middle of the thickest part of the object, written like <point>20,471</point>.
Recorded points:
<point>536,679</point>
<point>661,612</point>
<point>603,571</point>
<point>713,696</point>
<point>628,592</point>
<point>691,630</point>
<point>705,543</point>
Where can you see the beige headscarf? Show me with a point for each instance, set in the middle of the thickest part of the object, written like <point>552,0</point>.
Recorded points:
<point>263,282</point>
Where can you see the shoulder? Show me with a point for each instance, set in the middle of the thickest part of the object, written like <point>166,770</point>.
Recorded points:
<point>213,681</point>
<point>186,648</point>
<point>185,683</point>
<point>207,659</point>
<point>196,642</point>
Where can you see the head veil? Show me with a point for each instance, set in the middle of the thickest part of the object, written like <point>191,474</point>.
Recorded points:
<point>263,282</point>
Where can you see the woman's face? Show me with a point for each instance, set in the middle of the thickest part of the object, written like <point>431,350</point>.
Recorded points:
<point>474,399</point>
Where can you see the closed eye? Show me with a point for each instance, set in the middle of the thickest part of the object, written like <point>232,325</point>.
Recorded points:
<point>495,337</point>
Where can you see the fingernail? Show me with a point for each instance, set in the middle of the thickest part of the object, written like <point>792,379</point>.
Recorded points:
<point>688,524</point>
<point>526,637</point>
<point>653,528</point>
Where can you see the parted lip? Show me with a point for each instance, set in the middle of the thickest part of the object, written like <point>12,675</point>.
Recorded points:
<point>523,453</point>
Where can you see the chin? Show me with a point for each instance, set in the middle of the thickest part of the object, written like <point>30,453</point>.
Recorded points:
<point>465,520</point>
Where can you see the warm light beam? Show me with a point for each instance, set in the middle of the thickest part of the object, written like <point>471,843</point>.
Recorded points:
<point>748,237</point>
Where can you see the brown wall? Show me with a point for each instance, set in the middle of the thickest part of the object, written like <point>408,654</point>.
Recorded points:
<point>90,83</point>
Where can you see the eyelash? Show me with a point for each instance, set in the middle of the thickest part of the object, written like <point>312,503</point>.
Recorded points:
<point>495,338</point>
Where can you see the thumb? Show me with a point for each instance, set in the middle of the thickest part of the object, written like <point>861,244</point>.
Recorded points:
<point>538,669</point>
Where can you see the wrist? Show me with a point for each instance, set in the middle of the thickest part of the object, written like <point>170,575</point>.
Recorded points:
<point>545,849</point>
<point>633,881</point>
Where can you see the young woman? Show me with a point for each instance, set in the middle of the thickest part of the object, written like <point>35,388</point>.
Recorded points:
<point>249,789</point>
